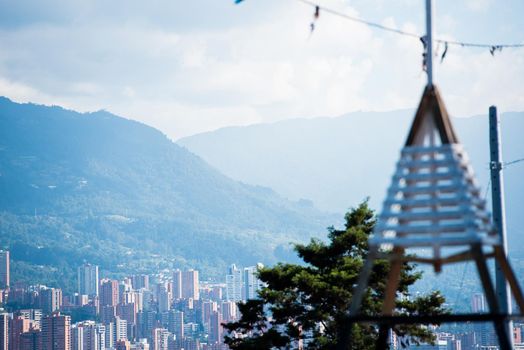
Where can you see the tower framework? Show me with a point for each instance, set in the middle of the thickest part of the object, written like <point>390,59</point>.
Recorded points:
<point>434,211</point>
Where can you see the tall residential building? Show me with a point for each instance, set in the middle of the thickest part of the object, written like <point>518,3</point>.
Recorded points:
<point>17,326</point>
<point>478,303</point>
<point>88,280</point>
<point>160,339</point>
<point>109,292</point>
<point>123,345</point>
<point>163,298</point>
<point>85,336</point>
<point>229,311</point>
<point>33,315</point>
<point>56,332</point>
<point>208,308</point>
<point>4,331</point>
<point>177,285</point>
<point>146,322</point>
<point>77,338</point>
<point>4,269</point>
<point>252,283</point>
<point>190,285</point>
<point>101,331</point>
<point>31,340</point>
<point>50,300</point>
<point>140,282</point>
<point>215,328</point>
<point>176,323</point>
<point>234,283</point>
<point>120,329</point>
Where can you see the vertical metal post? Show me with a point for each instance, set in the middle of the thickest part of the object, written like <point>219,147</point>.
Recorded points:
<point>430,10</point>
<point>499,214</point>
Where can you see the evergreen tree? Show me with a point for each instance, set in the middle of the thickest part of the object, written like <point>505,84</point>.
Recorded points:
<point>309,303</point>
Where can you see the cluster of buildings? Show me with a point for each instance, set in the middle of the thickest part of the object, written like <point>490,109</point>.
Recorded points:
<point>168,311</point>
<point>470,336</point>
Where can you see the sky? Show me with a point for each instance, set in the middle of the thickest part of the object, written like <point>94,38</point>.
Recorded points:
<point>186,67</point>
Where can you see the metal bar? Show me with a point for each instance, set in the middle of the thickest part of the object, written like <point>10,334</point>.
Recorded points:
<point>499,216</point>
<point>432,319</point>
<point>453,187</point>
<point>489,290</point>
<point>429,33</point>
<point>360,290</point>
<point>422,229</point>
<point>392,283</point>
<point>510,275</point>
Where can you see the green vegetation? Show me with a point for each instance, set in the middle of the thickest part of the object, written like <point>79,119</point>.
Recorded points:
<point>310,302</point>
<point>99,188</point>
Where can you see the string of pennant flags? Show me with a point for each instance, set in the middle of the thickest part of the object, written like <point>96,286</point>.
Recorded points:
<point>493,48</point>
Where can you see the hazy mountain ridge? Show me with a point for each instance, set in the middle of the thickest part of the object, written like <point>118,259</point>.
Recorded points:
<point>336,162</point>
<point>102,188</point>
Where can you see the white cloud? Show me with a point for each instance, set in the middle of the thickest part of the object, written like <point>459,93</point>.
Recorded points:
<point>185,77</point>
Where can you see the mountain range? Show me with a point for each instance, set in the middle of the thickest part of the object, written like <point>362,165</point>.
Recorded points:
<point>104,189</point>
<point>337,162</point>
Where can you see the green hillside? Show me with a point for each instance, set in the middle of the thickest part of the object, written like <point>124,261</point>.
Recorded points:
<point>118,193</point>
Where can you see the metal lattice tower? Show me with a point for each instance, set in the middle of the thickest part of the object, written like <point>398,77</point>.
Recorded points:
<point>434,207</point>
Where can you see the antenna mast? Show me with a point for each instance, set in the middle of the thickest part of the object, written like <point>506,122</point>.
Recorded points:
<point>430,28</point>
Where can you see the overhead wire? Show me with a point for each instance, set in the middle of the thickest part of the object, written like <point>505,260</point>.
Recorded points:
<point>492,47</point>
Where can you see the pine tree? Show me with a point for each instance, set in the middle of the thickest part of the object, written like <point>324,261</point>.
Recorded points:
<point>308,304</point>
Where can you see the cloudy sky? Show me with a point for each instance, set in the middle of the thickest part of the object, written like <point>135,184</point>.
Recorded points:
<point>197,65</point>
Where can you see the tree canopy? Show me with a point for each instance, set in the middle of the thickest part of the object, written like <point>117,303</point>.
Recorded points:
<point>307,305</point>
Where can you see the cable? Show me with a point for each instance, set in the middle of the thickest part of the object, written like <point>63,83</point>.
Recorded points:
<point>355,19</point>
<point>492,47</point>
<point>513,162</point>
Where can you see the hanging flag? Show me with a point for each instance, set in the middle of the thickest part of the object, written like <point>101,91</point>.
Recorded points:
<point>445,52</point>
<point>424,42</point>
<point>315,18</point>
<point>495,48</point>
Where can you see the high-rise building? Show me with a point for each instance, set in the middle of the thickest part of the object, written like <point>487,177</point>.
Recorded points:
<point>140,282</point>
<point>252,283</point>
<point>176,323</point>
<point>229,311</point>
<point>177,285</point>
<point>17,326</point>
<point>120,329</point>
<point>123,345</point>
<point>109,292</point>
<point>50,300</point>
<point>234,283</point>
<point>190,285</point>
<point>478,303</point>
<point>215,328</point>
<point>101,331</point>
<point>31,340</point>
<point>88,280</point>
<point>109,335</point>
<point>86,336</point>
<point>146,322</point>
<point>208,308</point>
<point>160,339</point>
<point>77,338</point>
<point>56,332</point>
<point>107,314</point>
<point>4,269</point>
<point>33,315</point>
<point>4,331</point>
<point>163,298</point>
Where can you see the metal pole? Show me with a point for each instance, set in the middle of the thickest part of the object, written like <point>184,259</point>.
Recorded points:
<point>499,213</point>
<point>430,10</point>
